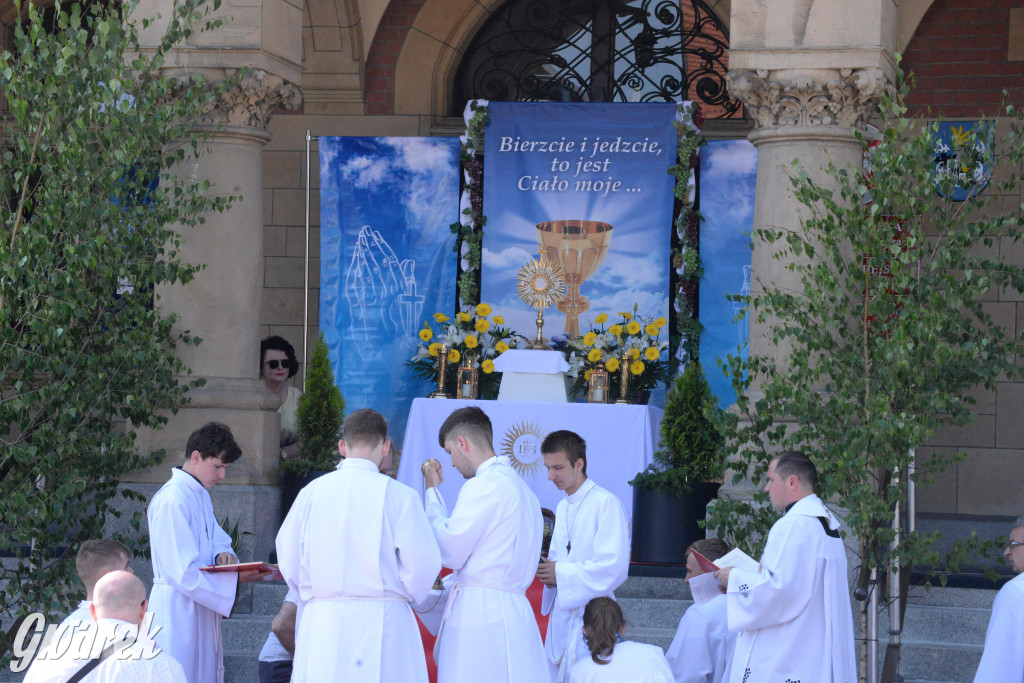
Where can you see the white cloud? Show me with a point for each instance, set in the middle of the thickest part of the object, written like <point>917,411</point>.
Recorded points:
<point>730,159</point>
<point>506,259</point>
<point>364,171</point>
<point>634,272</point>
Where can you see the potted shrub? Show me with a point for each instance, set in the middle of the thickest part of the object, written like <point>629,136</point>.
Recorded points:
<point>670,497</point>
<point>321,413</point>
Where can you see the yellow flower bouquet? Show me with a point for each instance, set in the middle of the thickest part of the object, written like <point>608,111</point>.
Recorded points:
<point>473,333</point>
<point>639,337</point>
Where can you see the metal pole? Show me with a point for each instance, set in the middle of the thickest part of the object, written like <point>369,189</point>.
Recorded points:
<point>873,628</point>
<point>895,621</point>
<point>305,291</point>
<point>912,493</point>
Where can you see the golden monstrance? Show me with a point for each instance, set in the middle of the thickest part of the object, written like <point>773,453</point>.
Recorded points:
<point>541,284</point>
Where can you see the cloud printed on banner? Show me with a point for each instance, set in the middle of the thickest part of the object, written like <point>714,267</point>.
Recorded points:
<point>506,260</point>
<point>723,165</point>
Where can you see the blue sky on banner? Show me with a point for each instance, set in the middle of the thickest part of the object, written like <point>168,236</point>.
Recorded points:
<point>728,169</point>
<point>601,162</point>
<point>386,261</point>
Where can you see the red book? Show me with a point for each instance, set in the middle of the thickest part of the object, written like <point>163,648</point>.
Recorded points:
<point>705,564</point>
<point>274,575</point>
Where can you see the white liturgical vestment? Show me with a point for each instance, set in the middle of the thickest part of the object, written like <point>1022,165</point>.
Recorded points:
<point>630,663</point>
<point>793,616</point>
<point>356,549</point>
<point>140,662</point>
<point>1003,658</point>
<point>590,549</point>
<point>492,541</point>
<point>703,644</point>
<point>187,604</point>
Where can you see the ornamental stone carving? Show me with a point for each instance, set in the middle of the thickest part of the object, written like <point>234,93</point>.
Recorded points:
<point>252,100</point>
<point>848,99</point>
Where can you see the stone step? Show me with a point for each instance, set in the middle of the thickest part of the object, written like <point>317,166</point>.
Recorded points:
<point>930,623</point>
<point>652,612</point>
<point>939,661</point>
<point>267,597</point>
<point>240,667</point>
<point>245,633</point>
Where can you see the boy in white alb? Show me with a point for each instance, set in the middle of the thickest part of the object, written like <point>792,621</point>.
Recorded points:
<point>188,604</point>
<point>589,555</point>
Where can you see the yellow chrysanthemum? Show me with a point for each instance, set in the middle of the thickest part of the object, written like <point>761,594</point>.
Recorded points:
<point>615,329</point>
<point>471,341</point>
<point>487,366</point>
<point>612,365</point>
<point>586,375</point>
<point>637,367</point>
<point>426,333</point>
<point>651,353</point>
<point>454,356</point>
<point>482,325</point>
<point>652,329</point>
<point>462,317</point>
<point>440,317</point>
<point>498,320</point>
<point>633,327</point>
<point>626,315</point>
<point>589,338</point>
<point>483,309</point>
<point>603,318</point>
<point>434,349</point>
<point>501,347</point>
<point>594,355</point>
<point>634,354</point>
<point>661,322</point>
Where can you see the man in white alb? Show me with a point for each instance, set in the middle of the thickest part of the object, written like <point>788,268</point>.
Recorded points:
<point>492,541</point>
<point>187,604</point>
<point>1003,657</point>
<point>589,555</point>
<point>355,550</point>
<point>119,652</point>
<point>703,644</point>
<point>793,615</point>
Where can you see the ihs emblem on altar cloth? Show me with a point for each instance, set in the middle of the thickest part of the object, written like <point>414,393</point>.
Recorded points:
<point>522,446</point>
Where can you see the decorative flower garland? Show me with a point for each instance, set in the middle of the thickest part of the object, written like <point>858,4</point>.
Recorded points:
<point>470,226</point>
<point>686,258</point>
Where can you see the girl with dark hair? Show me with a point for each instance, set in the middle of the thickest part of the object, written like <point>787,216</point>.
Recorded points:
<point>277,365</point>
<point>612,659</point>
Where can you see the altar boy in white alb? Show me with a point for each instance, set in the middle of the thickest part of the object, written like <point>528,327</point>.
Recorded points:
<point>1003,658</point>
<point>188,604</point>
<point>356,549</point>
<point>589,555</point>
<point>793,615</point>
<point>492,541</point>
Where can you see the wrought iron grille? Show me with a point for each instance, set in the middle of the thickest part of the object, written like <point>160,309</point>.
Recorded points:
<point>599,51</point>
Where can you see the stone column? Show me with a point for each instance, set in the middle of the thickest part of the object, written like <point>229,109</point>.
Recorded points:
<point>222,304</point>
<point>810,74</point>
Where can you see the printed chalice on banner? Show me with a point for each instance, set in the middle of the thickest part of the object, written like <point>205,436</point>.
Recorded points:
<point>578,247</point>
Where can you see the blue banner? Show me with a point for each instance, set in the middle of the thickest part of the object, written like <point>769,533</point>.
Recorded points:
<point>386,261</point>
<point>592,179</point>
<point>728,169</point>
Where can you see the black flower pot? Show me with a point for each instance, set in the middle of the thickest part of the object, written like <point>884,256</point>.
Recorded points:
<point>664,524</point>
<point>291,484</point>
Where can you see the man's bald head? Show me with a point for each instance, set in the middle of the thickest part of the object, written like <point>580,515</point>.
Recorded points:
<point>120,595</point>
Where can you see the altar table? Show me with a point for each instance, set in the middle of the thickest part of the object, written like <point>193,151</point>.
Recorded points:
<point>621,440</point>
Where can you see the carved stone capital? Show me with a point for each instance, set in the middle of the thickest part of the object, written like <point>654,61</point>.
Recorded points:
<point>252,100</point>
<point>845,97</point>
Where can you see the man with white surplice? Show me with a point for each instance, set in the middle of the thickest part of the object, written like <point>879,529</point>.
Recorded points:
<point>589,555</point>
<point>793,615</point>
<point>357,550</point>
<point>492,542</point>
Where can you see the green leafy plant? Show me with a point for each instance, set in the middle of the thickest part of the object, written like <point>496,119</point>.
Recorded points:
<point>321,413</point>
<point>887,329</point>
<point>236,534</point>
<point>692,447</point>
<point>92,218</point>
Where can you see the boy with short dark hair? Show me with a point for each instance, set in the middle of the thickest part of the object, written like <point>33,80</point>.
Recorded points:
<point>187,604</point>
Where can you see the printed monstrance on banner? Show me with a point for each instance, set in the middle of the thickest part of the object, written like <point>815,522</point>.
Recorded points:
<point>588,183</point>
<point>386,261</point>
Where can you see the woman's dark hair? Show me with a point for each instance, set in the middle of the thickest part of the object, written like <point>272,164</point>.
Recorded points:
<point>276,343</point>
<point>602,619</point>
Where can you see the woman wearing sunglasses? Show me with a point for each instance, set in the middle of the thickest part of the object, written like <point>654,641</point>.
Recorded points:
<point>277,365</point>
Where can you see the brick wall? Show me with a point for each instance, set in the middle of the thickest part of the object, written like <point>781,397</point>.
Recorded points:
<point>959,56</point>
<point>383,55</point>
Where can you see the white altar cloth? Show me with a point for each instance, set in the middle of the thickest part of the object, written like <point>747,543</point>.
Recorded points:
<point>621,440</point>
<point>532,375</point>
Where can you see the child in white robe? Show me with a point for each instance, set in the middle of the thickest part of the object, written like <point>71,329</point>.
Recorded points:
<point>612,659</point>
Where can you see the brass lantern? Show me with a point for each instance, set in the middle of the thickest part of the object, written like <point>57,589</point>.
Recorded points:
<point>469,378</point>
<point>597,385</point>
<point>624,377</point>
<point>442,367</point>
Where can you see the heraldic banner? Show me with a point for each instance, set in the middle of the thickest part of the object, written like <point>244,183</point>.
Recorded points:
<point>386,261</point>
<point>590,184</point>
